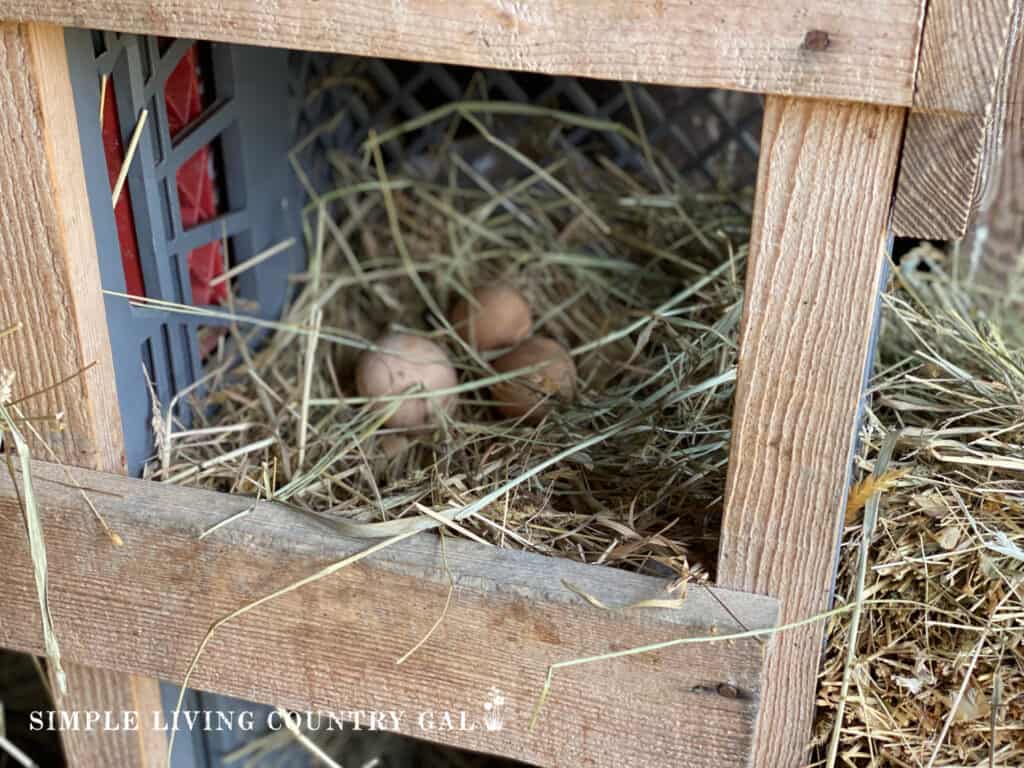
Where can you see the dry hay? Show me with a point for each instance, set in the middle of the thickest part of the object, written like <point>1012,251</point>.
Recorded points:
<point>937,677</point>
<point>626,269</point>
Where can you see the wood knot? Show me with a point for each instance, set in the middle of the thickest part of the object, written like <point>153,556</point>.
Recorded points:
<point>725,690</point>
<point>817,40</point>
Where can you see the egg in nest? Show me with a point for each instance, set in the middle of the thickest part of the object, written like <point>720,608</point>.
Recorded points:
<point>399,363</point>
<point>534,394</point>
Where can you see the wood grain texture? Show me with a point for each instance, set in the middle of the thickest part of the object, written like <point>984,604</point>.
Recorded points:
<point>955,129</point>
<point>104,690</point>
<point>49,282</point>
<point>817,258</point>
<point>864,51</point>
<point>993,248</point>
<point>333,644</point>
<point>49,271</point>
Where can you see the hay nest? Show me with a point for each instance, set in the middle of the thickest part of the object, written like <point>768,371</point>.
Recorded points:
<point>625,268</point>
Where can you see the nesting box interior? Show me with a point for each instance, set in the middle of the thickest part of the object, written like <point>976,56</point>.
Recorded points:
<point>285,211</point>
<point>281,212</point>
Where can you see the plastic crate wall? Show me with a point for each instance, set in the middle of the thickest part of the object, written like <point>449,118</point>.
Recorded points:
<point>713,134</point>
<point>246,123</point>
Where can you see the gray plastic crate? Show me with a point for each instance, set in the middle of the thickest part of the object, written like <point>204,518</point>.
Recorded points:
<point>714,135</point>
<point>248,123</point>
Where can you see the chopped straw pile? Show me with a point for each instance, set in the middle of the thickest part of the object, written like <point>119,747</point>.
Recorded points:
<point>937,675</point>
<point>641,281</point>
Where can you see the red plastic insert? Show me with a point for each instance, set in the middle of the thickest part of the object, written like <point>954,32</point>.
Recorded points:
<point>196,184</point>
<point>196,192</point>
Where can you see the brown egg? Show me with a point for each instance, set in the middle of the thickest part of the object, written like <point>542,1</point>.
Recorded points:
<point>538,392</point>
<point>500,317</point>
<point>400,362</point>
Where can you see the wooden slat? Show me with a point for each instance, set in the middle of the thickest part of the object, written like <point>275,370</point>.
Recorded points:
<point>333,644</point>
<point>955,129</point>
<point>994,246</point>
<point>816,262</point>
<point>863,51</point>
<point>49,282</point>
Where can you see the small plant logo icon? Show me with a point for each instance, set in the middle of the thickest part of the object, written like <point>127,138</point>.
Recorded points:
<point>494,714</point>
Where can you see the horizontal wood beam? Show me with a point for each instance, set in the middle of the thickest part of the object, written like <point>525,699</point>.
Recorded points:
<point>333,644</point>
<point>863,51</point>
<point>955,132</point>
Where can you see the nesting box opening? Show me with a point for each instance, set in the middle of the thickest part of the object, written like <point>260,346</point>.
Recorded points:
<point>283,212</point>
<point>560,258</point>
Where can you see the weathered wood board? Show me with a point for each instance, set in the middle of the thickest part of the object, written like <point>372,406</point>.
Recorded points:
<point>993,249</point>
<point>864,51</point>
<point>50,286</point>
<point>955,131</point>
<point>814,275</point>
<point>333,644</point>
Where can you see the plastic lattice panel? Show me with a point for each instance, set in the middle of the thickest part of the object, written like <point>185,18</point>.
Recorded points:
<point>713,135</point>
<point>211,167</point>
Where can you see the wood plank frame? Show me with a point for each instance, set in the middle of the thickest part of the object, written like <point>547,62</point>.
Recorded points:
<point>50,284</point>
<point>858,51</point>
<point>825,191</point>
<point>814,277</point>
<point>951,67</point>
<point>333,645</point>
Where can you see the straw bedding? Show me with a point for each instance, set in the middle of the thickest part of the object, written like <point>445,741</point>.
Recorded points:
<point>937,677</point>
<point>637,278</point>
<point>640,280</point>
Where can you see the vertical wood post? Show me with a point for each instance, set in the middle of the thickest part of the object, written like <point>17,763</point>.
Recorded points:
<point>817,258</point>
<point>993,249</point>
<point>50,285</point>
